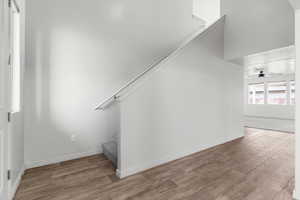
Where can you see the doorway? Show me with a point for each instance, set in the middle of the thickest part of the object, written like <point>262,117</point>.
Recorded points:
<point>4,93</point>
<point>14,85</point>
<point>10,87</point>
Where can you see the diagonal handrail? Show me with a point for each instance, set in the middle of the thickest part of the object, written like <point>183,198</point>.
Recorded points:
<point>153,66</point>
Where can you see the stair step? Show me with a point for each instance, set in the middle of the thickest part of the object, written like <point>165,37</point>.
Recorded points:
<point>110,150</point>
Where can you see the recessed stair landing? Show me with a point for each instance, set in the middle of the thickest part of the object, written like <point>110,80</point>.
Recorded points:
<point>110,150</point>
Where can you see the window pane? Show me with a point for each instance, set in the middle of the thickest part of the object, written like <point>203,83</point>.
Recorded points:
<point>256,94</point>
<point>292,95</point>
<point>277,93</point>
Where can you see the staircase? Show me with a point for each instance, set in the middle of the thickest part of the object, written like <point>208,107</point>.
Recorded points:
<point>112,148</point>
<point>192,99</point>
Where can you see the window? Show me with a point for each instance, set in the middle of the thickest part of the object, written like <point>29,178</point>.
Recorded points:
<point>15,59</point>
<point>292,92</point>
<point>277,93</point>
<point>256,94</point>
<point>270,77</point>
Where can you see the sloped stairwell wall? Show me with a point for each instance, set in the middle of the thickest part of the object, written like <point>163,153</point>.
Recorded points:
<point>254,26</point>
<point>78,53</point>
<point>192,102</point>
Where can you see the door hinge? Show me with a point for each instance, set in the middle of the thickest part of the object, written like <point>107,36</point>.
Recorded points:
<point>9,3</point>
<point>8,175</point>
<point>9,116</point>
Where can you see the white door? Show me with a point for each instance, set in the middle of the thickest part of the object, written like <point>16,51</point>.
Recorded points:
<point>14,97</point>
<point>4,32</point>
<point>3,151</point>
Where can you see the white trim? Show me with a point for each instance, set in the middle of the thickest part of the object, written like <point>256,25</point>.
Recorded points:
<point>15,187</point>
<point>294,195</point>
<point>40,163</point>
<point>267,117</point>
<point>287,77</point>
<point>202,21</point>
<point>118,173</point>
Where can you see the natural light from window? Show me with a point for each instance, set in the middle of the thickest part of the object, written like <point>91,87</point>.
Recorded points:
<point>277,93</point>
<point>270,77</point>
<point>256,94</point>
<point>15,62</point>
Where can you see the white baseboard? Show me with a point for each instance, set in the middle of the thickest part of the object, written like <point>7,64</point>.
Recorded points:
<point>15,185</point>
<point>294,196</point>
<point>40,163</point>
<point>118,173</point>
<point>145,166</point>
<point>284,125</point>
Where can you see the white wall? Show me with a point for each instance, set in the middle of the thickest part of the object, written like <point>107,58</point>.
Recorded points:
<point>256,25</point>
<point>273,117</point>
<point>79,53</point>
<point>297,31</point>
<point>208,10</point>
<point>194,101</point>
<point>295,3</point>
<point>285,125</point>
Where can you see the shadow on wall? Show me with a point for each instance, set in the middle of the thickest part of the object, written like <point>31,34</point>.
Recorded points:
<point>56,101</point>
<point>79,55</point>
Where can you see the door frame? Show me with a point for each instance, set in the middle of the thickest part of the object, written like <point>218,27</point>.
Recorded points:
<point>4,101</point>
<point>13,8</point>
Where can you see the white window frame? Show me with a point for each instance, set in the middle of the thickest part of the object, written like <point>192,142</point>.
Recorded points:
<point>266,80</point>
<point>287,99</point>
<point>290,92</point>
<point>254,94</point>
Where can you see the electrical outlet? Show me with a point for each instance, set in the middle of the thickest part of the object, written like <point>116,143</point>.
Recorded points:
<point>73,137</point>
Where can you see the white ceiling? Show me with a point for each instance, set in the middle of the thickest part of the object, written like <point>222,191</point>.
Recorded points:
<point>285,53</point>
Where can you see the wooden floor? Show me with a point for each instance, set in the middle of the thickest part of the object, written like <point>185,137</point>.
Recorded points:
<point>258,167</point>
